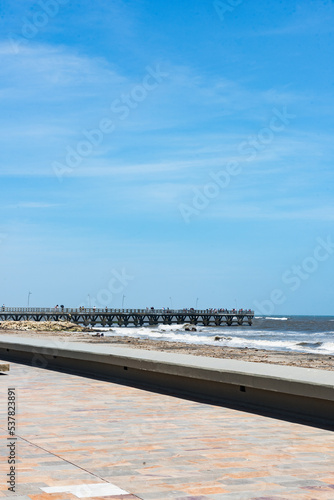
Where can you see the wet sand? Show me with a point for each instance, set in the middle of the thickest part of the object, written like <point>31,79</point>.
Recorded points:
<point>306,360</point>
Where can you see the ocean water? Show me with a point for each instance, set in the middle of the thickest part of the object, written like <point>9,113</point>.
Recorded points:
<point>313,334</point>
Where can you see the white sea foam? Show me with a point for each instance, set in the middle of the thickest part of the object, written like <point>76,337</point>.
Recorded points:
<point>327,348</point>
<point>279,319</point>
<point>260,344</point>
<point>268,338</point>
<point>172,328</point>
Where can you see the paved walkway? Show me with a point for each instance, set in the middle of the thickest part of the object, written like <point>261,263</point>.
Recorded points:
<point>83,438</point>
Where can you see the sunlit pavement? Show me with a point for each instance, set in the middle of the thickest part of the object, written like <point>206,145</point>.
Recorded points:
<point>84,438</point>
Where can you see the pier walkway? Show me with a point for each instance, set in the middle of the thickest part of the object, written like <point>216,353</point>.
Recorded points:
<point>125,317</point>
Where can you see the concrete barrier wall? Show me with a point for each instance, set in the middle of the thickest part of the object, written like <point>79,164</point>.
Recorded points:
<point>287,392</point>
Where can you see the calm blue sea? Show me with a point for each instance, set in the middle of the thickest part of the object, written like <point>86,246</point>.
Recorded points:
<point>313,334</point>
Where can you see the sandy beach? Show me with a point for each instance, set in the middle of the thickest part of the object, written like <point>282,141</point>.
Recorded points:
<point>306,360</point>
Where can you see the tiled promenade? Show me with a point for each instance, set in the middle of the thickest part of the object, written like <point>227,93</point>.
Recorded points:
<point>83,438</point>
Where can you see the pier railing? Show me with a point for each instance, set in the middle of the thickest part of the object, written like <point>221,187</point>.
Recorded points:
<point>90,310</point>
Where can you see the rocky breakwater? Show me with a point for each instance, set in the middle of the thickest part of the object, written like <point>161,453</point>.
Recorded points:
<point>43,326</point>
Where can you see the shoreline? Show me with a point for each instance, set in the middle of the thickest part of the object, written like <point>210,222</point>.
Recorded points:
<point>287,358</point>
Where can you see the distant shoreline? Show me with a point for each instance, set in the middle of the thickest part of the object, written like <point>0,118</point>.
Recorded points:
<point>306,360</point>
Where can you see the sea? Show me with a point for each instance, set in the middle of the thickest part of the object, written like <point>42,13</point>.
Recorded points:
<point>308,334</point>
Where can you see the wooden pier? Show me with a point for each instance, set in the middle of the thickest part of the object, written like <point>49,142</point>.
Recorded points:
<point>127,317</point>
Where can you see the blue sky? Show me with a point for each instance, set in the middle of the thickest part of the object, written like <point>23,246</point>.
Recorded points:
<point>167,153</point>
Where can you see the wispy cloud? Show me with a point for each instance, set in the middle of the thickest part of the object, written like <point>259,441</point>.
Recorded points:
<point>309,19</point>
<point>34,205</point>
<point>53,69</point>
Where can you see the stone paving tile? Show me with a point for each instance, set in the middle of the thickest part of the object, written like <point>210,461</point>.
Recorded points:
<point>16,497</point>
<point>74,430</point>
<point>192,498</point>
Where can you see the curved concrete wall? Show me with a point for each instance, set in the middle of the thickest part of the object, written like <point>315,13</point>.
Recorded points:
<point>295,393</point>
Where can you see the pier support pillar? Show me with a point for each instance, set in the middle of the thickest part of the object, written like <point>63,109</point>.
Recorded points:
<point>229,320</point>
<point>153,320</point>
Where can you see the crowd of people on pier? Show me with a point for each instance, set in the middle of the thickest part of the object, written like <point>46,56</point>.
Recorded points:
<point>164,309</point>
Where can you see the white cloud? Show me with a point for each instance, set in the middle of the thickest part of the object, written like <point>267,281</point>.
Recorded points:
<point>36,67</point>
<point>269,211</point>
<point>34,204</point>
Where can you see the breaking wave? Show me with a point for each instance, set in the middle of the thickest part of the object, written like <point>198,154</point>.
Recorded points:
<point>278,319</point>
